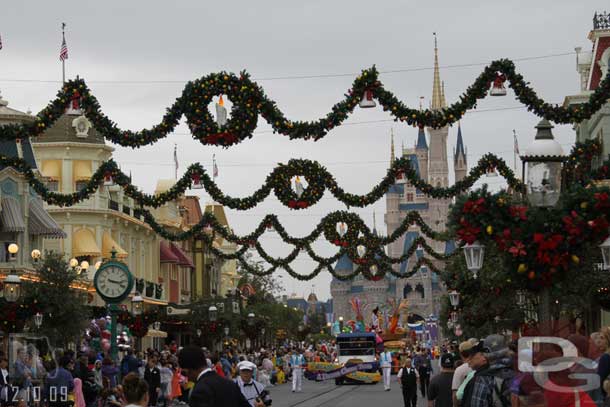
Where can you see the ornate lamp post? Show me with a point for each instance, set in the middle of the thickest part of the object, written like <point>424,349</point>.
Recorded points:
<point>84,266</point>
<point>251,317</point>
<point>12,282</point>
<point>543,159</point>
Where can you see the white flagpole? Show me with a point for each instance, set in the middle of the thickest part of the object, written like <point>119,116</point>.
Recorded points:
<point>515,150</point>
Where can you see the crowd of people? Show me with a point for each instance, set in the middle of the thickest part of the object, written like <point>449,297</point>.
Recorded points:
<point>494,372</point>
<point>93,379</point>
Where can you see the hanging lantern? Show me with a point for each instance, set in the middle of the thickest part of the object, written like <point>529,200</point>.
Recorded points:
<point>497,87</point>
<point>605,248</point>
<point>367,100</point>
<point>13,249</point>
<point>341,228</point>
<point>491,172</point>
<point>196,184</point>
<point>136,304</point>
<point>361,250</point>
<point>213,313</point>
<point>543,161</point>
<point>12,288</point>
<point>270,227</point>
<point>419,251</point>
<point>520,298</point>
<point>474,254</point>
<point>454,298</point>
<point>108,181</point>
<point>454,317</point>
<point>38,320</point>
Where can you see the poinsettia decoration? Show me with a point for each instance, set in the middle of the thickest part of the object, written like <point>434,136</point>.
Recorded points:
<point>539,243</point>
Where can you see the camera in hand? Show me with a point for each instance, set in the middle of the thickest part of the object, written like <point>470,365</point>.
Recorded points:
<point>264,398</point>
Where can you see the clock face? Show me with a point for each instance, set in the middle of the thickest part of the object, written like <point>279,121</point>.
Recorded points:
<point>113,282</point>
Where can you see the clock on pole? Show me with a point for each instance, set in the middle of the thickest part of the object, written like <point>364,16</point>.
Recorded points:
<point>113,282</point>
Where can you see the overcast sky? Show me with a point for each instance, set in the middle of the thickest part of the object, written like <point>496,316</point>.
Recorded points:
<point>137,55</point>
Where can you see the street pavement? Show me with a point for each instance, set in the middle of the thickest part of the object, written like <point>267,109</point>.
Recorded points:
<point>327,394</point>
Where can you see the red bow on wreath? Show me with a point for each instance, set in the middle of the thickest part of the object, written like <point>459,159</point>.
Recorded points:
<point>499,80</point>
<point>294,204</point>
<point>75,100</point>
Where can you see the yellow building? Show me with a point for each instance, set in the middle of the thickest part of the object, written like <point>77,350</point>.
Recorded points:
<point>69,152</point>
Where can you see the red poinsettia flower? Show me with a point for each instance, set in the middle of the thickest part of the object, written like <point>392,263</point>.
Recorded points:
<point>599,225</point>
<point>519,212</point>
<point>518,249</point>
<point>474,207</point>
<point>602,200</point>
<point>468,233</point>
<point>503,239</point>
<point>573,227</point>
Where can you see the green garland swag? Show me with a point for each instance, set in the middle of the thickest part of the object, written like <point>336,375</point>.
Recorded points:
<point>279,181</point>
<point>249,100</point>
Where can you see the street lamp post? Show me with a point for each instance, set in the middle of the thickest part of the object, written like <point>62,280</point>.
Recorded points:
<point>454,298</point>
<point>251,317</point>
<point>136,304</point>
<point>213,313</point>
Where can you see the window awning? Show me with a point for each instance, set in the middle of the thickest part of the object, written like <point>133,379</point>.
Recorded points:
<point>81,170</point>
<point>51,169</point>
<point>11,217</point>
<point>108,243</point>
<point>183,258</point>
<point>153,333</point>
<point>41,223</point>
<point>84,244</point>
<point>166,254</point>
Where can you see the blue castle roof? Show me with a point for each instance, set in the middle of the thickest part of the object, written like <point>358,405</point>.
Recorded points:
<point>459,148</point>
<point>409,239</point>
<point>421,140</point>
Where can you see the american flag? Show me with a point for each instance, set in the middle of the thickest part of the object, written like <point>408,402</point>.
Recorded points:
<point>63,52</point>
<point>516,143</point>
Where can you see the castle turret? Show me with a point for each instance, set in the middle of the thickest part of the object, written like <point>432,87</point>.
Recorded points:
<point>460,164</point>
<point>421,150</point>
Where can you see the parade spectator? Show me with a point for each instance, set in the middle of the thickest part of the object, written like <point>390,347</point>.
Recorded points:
<point>253,391</point>
<point>135,390</point>
<point>97,371</point>
<point>408,378</point>
<point>152,376</point>
<point>110,371</point>
<point>166,382</point>
<point>439,391</point>
<point>490,385</point>
<point>424,369</point>
<point>210,390</point>
<point>462,371</point>
<point>5,388</point>
<point>79,398</point>
<point>59,383</point>
<point>603,367</point>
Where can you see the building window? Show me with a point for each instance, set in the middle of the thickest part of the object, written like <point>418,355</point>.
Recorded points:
<point>173,273</point>
<point>410,197</point>
<point>52,184</point>
<point>79,185</point>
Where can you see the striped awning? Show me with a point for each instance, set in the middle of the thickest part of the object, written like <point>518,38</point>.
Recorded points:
<point>166,254</point>
<point>153,333</point>
<point>84,244</point>
<point>41,223</point>
<point>183,258</point>
<point>11,217</point>
<point>108,243</point>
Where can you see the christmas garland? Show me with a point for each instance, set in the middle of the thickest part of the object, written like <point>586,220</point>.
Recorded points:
<point>539,243</point>
<point>279,181</point>
<point>249,101</point>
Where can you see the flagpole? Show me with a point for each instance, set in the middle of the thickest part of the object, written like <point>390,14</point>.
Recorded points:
<point>514,150</point>
<point>214,172</point>
<point>63,60</point>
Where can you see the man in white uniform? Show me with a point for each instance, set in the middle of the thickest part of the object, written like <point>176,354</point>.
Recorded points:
<point>252,390</point>
<point>385,361</point>
<point>297,363</point>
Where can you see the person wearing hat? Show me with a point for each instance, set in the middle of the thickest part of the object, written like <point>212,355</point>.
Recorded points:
<point>253,391</point>
<point>439,390</point>
<point>462,371</point>
<point>210,390</point>
<point>491,361</point>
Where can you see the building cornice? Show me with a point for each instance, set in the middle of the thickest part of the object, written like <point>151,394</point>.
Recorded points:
<point>88,211</point>
<point>63,144</point>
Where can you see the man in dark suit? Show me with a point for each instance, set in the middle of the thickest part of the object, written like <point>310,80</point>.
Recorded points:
<point>152,376</point>
<point>210,390</point>
<point>408,377</point>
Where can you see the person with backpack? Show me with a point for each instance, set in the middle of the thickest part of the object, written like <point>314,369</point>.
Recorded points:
<point>408,378</point>
<point>490,385</point>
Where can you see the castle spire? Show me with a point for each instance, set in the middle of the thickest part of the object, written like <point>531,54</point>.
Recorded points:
<point>421,140</point>
<point>437,93</point>
<point>459,148</point>
<point>443,101</point>
<point>392,154</point>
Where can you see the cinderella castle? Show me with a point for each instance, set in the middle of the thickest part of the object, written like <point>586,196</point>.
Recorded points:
<point>423,290</point>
